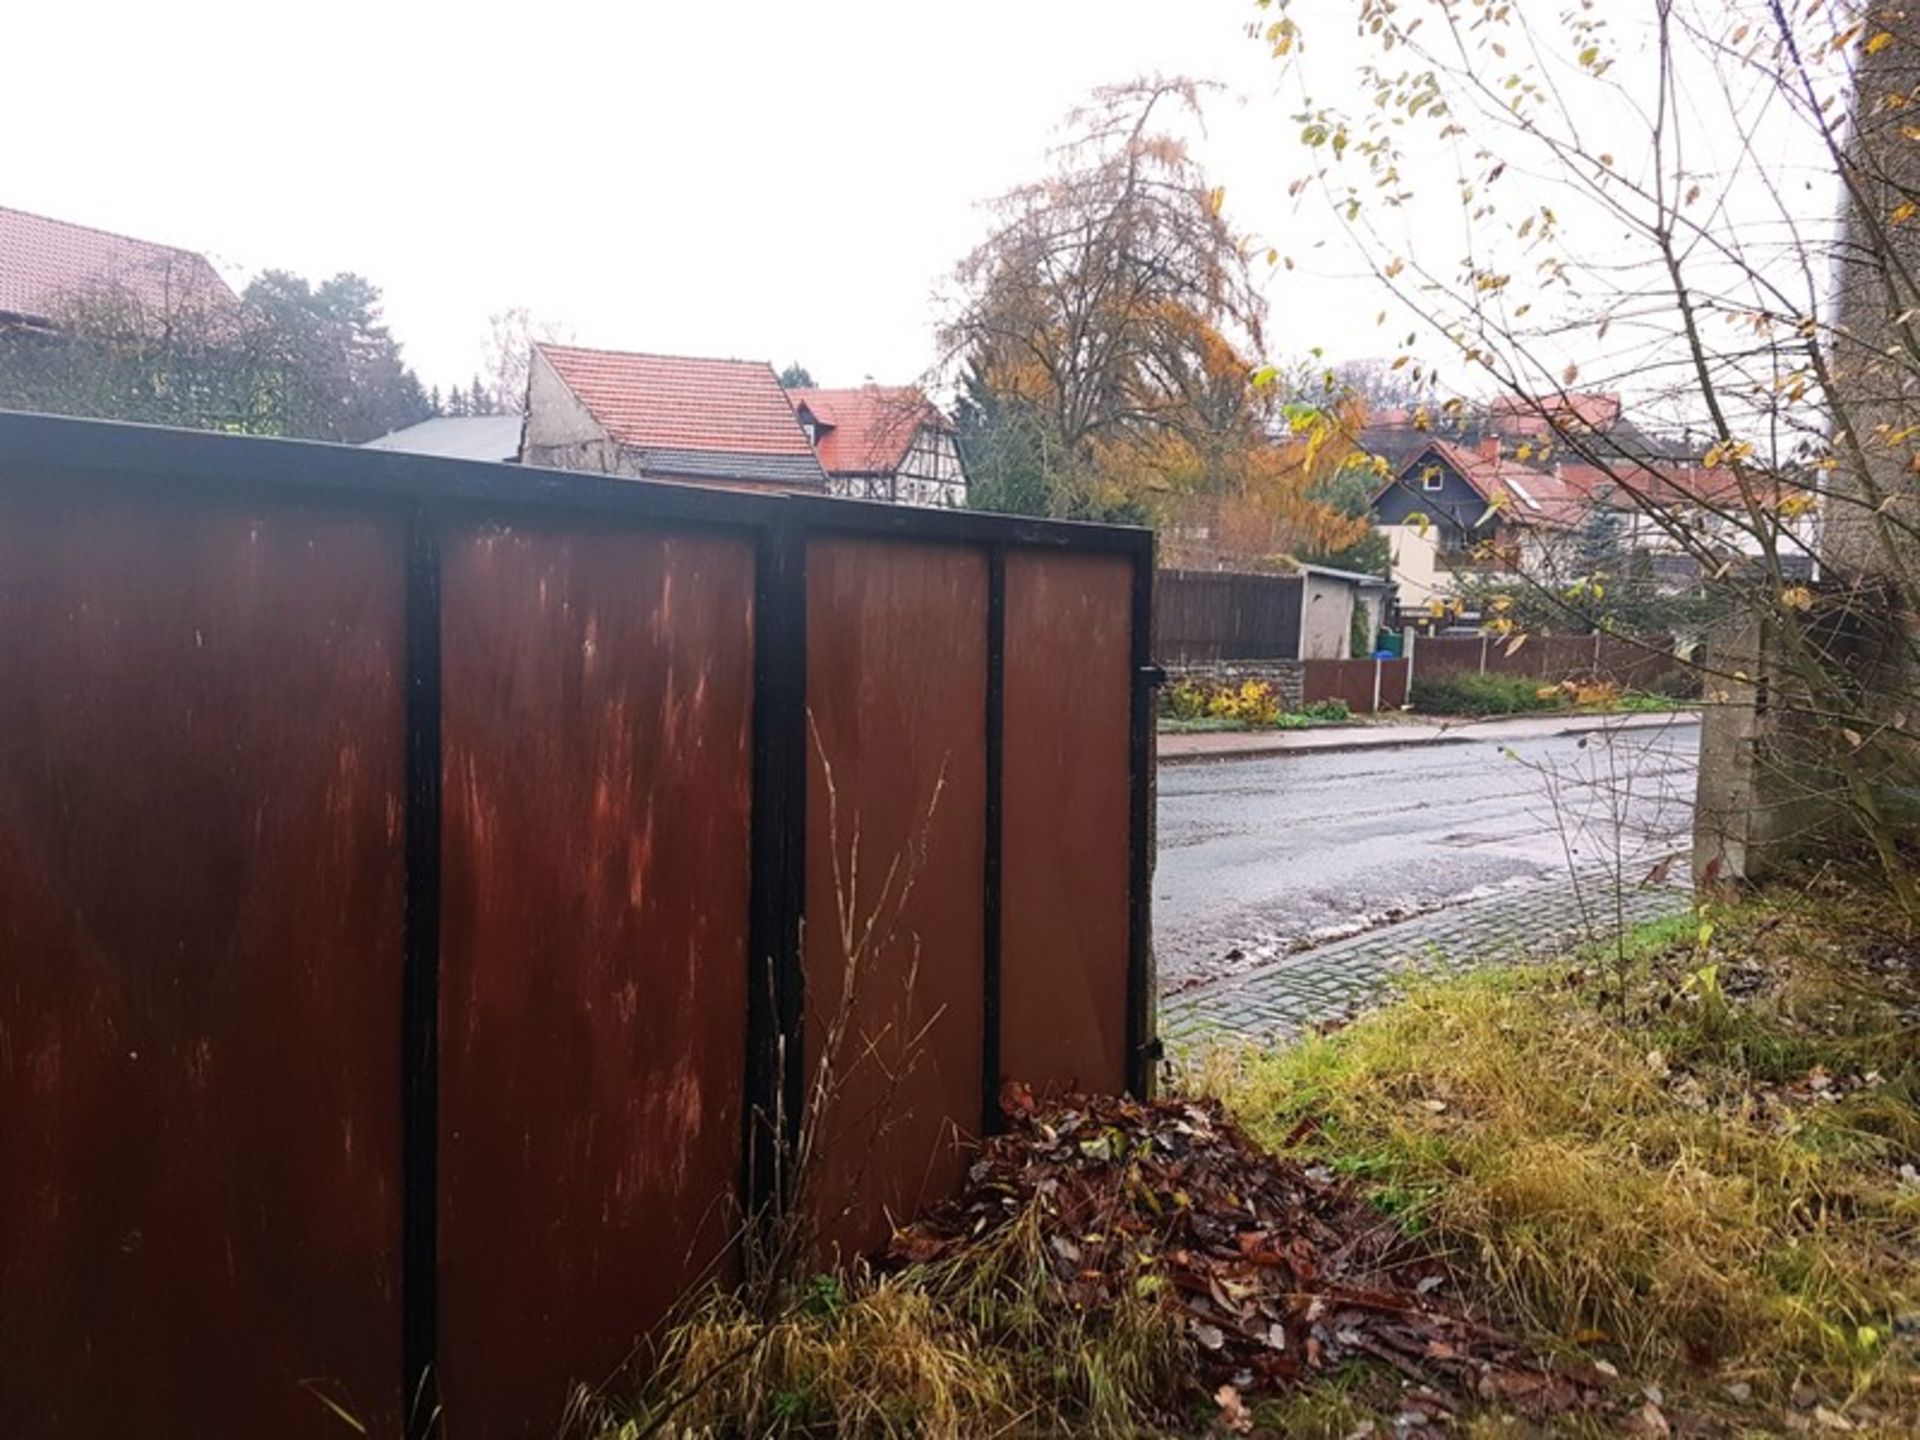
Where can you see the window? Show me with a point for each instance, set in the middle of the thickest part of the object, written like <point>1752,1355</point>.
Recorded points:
<point>1432,479</point>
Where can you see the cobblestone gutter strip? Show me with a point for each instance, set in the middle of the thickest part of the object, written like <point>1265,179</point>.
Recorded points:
<point>1338,980</point>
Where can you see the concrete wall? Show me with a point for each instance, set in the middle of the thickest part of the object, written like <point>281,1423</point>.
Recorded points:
<point>1761,801</point>
<point>1771,784</point>
<point>1374,602</point>
<point>1326,618</point>
<point>561,433</point>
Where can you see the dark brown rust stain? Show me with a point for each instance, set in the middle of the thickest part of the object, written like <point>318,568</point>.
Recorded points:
<point>896,684</point>
<point>200,930</point>
<point>598,689</point>
<point>1065,814</point>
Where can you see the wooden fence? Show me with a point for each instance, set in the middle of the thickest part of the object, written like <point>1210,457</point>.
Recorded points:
<point>1547,658</point>
<point>1367,686</point>
<point>403,868</point>
<point>1207,615</point>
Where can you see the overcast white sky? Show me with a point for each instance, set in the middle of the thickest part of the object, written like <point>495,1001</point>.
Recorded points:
<point>765,180</point>
<point>776,181</point>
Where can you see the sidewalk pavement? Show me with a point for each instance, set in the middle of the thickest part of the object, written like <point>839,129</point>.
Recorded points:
<point>1411,734</point>
<point>1278,1000</point>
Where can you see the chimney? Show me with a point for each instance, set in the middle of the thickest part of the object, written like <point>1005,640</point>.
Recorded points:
<point>1489,447</point>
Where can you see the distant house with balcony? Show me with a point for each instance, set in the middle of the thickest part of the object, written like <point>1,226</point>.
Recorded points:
<point>1515,485</point>
<point>883,443</point>
<point>1452,509</point>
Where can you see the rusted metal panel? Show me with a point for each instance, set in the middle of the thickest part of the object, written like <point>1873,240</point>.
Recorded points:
<point>597,691</point>
<point>896,693</point>
<point>1066,807</point>
<point>200,948</point>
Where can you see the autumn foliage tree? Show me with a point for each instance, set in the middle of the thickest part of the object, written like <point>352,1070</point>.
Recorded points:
<point>1109,331</point>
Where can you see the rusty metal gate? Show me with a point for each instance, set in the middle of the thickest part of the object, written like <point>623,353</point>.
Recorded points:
<point>419,879</point>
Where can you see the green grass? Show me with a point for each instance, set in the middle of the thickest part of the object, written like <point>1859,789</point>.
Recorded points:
<point>1629,1163</point>
<point>1320,713</point>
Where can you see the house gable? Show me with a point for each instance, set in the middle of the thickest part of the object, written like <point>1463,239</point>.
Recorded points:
<point>1456,508</point>
<point>663,417</point>
<point>881,443</point>
<point>561,433</point>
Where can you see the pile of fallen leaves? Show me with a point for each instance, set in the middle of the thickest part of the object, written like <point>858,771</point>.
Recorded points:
<point>1280,1273</point>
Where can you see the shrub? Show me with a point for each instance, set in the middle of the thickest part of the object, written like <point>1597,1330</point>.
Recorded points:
<point>1472,694</point>
<point>1185,700</point>
<point>1676,684</point>
<point>1251,702</point>
<point>1327,710</point>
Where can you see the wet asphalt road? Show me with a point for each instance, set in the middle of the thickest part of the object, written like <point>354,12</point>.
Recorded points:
<point>1262,856</point>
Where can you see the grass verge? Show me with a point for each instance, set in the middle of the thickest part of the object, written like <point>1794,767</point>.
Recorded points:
<point>1689,1165</point>
<point>1693,1162</point>
<point>947,1349</point>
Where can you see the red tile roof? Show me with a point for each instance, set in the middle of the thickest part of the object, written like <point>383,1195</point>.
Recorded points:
<point>43,262</point>
<point>1625,485</point>
<point>1531,497</point>
<point>672,402</point>
<point>1527,415</point>
<point>867,431</point>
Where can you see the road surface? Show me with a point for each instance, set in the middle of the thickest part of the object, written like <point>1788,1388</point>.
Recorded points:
<point>1264,857</point>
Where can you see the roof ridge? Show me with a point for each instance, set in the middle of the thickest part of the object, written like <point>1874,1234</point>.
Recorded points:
<point>652,355</point>
<point>199,255</point>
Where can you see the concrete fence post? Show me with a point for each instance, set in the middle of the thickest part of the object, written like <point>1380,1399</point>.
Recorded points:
<point>1376,689</point>
<point>1483,654</point>
<point>1407,640</point>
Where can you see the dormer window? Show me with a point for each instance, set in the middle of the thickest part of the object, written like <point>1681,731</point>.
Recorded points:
<point>1432,479</point>
<point>810,425</point>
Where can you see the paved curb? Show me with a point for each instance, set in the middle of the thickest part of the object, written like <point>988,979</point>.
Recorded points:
<point>1259,747</point>
<point>1286,996</point>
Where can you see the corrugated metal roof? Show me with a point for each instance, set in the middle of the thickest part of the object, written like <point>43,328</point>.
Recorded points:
<point>458,437</point>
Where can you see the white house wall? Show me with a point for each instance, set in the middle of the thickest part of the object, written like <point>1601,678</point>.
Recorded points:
<point>930,474</point>
<point>1416,564</point>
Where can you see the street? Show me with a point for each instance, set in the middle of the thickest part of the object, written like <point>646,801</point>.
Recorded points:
<point>1260,858</point>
